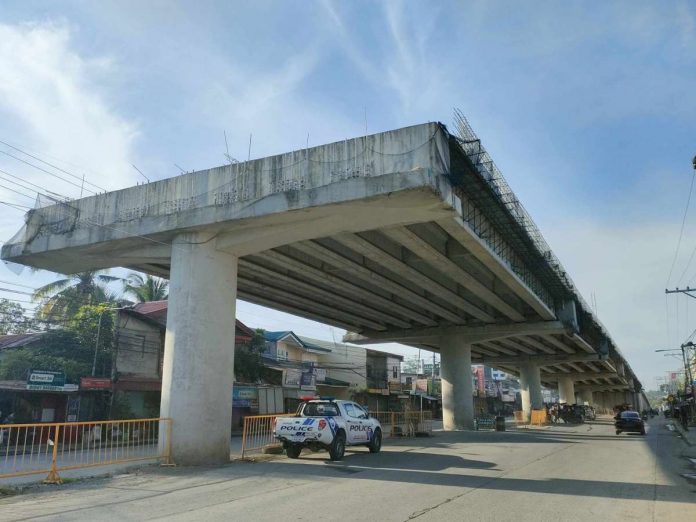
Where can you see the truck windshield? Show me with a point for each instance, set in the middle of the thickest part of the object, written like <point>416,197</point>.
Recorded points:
<point>320,409</point>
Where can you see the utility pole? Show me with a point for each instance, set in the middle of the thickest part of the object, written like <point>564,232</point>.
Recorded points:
<point>686,291</point>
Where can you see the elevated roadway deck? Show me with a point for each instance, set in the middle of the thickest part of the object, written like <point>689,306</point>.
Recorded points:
<point>409,236</point>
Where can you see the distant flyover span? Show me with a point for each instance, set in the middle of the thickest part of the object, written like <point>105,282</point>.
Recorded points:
<point>410,235</point>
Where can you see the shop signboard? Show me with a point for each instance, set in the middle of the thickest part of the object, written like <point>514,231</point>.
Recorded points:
<point>422,385</point>
<point>292,377</point>
<point>46,380</point>
<point>95,383</point>
<point>245,397</point>
<point>308,379</point>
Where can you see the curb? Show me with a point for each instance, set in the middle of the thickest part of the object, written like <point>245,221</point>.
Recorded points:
<point>685,435</point>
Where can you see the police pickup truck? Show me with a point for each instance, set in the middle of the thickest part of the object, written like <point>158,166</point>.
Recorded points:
<point>327,424</point>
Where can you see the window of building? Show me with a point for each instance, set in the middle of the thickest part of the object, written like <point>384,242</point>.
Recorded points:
<point>395,372</point>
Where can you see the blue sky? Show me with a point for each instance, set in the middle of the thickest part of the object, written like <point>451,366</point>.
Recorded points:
<point>588,108</point>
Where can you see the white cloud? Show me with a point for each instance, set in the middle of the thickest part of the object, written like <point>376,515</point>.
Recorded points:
<point>625,266</point>
<point>55,104</point>
<point>404,62</point>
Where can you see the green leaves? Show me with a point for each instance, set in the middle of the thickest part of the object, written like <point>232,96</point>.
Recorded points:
<point>12,318</point>
<point>145,289</point>
<point>70,349</point>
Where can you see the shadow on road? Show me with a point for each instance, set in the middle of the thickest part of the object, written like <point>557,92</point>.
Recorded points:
<point>405,461</point>
<point>425,469</point>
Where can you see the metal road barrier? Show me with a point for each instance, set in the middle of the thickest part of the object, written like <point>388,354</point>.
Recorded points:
<point>539,418</point>
<point>409,423</point>
<point>520,419</point>
<point>29,449</point>
<point>258,433</point>
<point>404,424</point>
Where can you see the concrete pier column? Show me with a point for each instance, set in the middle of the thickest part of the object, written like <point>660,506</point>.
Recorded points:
<point>586,397</point>
<point>198,366</point>
<point>530,388</point>
<point>457,387</point>
<point>566,390</point>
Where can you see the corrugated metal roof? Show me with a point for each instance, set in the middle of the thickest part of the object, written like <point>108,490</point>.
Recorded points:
<point>157,310</point>
<point>18,340</point>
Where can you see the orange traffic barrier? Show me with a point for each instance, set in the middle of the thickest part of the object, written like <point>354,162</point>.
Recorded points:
<point>258,433</point>
<point>29,449</point>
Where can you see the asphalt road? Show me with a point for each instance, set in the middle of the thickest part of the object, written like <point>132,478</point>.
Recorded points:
<point>560,473</point>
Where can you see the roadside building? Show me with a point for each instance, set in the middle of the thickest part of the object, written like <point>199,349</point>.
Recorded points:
<point>292,364</point>
<point>384,388</point>
<point>341,370</point>
<point>139,356</point>
<point>42,395</point>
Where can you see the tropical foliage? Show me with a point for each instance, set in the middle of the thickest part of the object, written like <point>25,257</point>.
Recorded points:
<point>12,318</point>
<point>63,298</point>
<point>145,289</point>
<point>70,349</point>
<point>247,358</point>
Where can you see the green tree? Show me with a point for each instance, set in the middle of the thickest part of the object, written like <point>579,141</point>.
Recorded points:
<point>70,349</point>
<point>145,289</point>
<point>247,358</point>
<point>63,298</point>
<point>12,318</point>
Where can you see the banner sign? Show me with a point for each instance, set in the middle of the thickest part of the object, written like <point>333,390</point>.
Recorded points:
<point>46,380</point>
<point>292,377</point>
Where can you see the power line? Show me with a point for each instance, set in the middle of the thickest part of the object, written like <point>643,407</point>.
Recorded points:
<point>681,233</point>
<point>16,284</point>
<point>44,170</point>
<point>21,208</point>
<point>30,183</point>
<point>18,192</point>
<point>51,165</point>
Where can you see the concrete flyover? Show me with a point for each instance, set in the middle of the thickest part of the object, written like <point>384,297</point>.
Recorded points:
<point>410,235</point>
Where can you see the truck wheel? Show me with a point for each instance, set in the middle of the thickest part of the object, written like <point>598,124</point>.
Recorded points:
<point>338,446</point>
<point>293,451</point>
<point>618,432</point>
<point>376,443</point>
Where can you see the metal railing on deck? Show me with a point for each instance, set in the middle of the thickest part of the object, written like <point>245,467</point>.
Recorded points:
<point>29,449</point>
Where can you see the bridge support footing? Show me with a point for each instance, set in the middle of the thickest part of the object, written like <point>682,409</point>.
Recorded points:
<point>457,387</point>
<point>199,351</point>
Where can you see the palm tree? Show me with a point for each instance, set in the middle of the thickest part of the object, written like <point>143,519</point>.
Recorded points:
<point>63,298</point>
<point>144,289</point>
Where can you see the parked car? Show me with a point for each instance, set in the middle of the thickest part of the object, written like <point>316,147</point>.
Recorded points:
<point>330,425</point>
<point>629,421</point>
